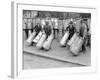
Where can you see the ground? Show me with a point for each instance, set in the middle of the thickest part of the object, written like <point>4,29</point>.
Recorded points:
<point>32,61</point>
<point>56,57</point>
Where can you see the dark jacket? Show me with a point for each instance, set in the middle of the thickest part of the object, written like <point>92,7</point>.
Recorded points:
<point>83,30</point>
<point>71,31</point>
<point>47,29</point>
<point>38,28</point>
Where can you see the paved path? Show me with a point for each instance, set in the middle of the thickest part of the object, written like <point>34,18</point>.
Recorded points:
<point>32,61</point>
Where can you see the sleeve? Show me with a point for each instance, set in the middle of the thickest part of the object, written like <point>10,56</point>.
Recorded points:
<point>85,30</point>
<point>38,28</point>
<point>47,30</point>
<point>68,28</point>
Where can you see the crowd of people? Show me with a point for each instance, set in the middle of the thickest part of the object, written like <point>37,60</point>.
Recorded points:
<point>75,34</point>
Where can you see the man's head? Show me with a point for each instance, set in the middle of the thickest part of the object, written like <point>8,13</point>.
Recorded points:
<point>70,22</point>
<point>47,23</point>
<point>38,23</point>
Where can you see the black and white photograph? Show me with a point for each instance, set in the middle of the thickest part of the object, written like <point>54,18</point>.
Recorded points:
<point>53,39</point>
<point>50,40</point>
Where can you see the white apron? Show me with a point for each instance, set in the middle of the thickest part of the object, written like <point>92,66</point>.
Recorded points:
<point>64,39</point>
<point>41,41</point>
<point>31,37</point>
<point>37,38</point>
<point>48,42</point>
<point>70,42</point>
<point>76,46</point>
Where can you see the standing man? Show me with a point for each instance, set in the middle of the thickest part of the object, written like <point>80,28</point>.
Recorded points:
<point>83,33</point>
<point>71,29</point>
<point>56,30</point>
<point>38,28</point>
<point>47,29</point>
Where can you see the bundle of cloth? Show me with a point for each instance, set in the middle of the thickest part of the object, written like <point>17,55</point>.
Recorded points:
<point>42,36</point>
<point>75,40</point>
<point>70,30</point>
<point>32,38</point>
<point>47,38</point>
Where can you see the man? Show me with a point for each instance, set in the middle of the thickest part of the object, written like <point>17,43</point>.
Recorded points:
<point>56,30</point>
<point>83,33</point>
<point>47,29</point>
<point>38,28</point>
<point>32,38</point>
<point>71,30</point>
